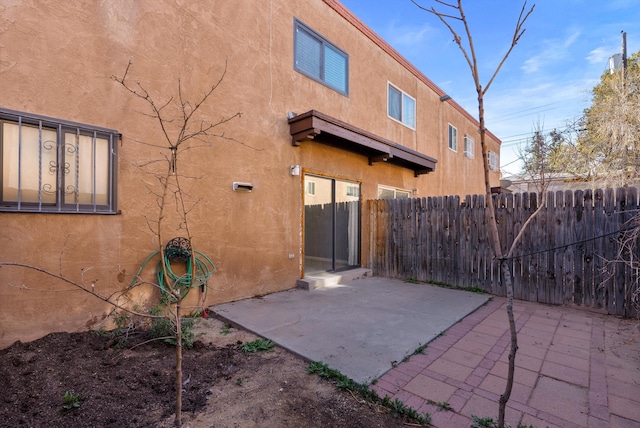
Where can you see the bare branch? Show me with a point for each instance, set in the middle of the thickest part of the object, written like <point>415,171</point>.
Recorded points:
<point>79,286</point>
<point>143,94</point>
<point>64,244</point>
<point>204,129</point>
<point>433,10</point>
<point>541,206</point>
<point>517,33</point>
<point>456,38</point>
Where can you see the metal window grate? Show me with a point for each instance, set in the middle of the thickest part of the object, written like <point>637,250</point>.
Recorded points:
<point>51,165</point>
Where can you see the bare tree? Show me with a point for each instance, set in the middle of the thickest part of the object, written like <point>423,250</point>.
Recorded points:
<point>627,256</point>
<point>178,121</point>
<point>454,13</point>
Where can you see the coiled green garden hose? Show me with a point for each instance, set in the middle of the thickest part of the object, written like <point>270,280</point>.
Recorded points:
<point>204,268</point>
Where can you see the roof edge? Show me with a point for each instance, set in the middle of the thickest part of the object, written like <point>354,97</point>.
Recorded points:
<point>382,44</point>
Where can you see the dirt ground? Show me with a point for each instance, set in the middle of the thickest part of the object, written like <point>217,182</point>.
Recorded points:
<point>133,386</point>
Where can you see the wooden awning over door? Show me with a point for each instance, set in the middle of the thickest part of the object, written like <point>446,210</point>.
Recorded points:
<point>321,128</point>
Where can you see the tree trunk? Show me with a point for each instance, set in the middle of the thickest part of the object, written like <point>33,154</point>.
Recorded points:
<point>178,420</point>
<point>504,398</point>
<point>504,267</point>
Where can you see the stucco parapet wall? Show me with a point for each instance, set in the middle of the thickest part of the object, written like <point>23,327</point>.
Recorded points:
<point>386,47</point>
<point>316,126</point>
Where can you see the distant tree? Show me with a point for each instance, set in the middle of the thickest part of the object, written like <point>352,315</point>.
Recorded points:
<point>604,144</point>
<point>539,156</point>
<point>612,124</point>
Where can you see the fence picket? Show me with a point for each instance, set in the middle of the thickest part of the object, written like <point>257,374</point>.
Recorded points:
<point>588,255</point>
<point>576,290</point>
<point>621,213</point>
<point>609,269</point>
<point>631,276</point>
<point>534,242</point>
<point>556,257</point>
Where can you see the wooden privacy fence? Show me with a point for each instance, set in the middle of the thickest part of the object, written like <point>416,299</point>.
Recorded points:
<point>566,255</point>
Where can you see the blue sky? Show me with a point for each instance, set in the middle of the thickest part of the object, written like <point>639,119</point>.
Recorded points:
<point>548,76</point>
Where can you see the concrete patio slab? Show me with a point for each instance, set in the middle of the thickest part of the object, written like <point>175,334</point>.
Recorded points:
<point>575,368</point>
<point>361,328</point>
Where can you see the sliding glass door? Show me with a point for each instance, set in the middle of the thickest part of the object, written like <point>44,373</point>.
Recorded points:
<point>331,224</point>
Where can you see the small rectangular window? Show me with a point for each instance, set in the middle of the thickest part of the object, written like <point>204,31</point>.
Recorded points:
<point>50,165</point>
<point>468,146</point>
<point>317,58</point>
<point>453,138</point>
<point>401,106</point>
<point>494,163</point>
<point>353,190</point>
<point>386,192</point>
<point>311,188</point>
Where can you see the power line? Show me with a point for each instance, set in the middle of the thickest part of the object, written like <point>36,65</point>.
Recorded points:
<point>510,140</point>
<point>584,241</point>
<point>507,164</point>
<point>526,109</point>
<point>516,115</point>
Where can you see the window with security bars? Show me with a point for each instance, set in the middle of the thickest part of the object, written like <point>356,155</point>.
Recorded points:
<point>50,165</point>
<point>319,59</point>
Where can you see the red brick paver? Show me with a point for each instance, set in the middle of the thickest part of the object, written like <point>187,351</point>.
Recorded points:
<point>574,368</point>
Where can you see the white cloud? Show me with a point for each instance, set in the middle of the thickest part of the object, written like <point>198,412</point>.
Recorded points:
<point>554,51</point>
<point>533,64</point>
<point>410,36</point>
<point>599,55</point>
<point>514,110</point>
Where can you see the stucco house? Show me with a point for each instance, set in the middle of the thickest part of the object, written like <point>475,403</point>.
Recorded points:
<point>331,116</point>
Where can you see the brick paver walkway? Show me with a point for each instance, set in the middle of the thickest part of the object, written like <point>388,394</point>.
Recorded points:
<point>574,368</point>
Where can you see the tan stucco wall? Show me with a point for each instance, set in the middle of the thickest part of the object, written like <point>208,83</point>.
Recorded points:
<point>57,60</point>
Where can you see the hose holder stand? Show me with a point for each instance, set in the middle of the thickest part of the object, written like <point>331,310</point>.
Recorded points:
<point>178,250</point>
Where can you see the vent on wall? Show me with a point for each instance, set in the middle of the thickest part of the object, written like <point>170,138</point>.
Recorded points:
<point>242,187</point>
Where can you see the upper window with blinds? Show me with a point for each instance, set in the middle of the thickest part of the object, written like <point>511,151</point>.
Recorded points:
<point>317,58</point>
<point>401,106</point>
<point>49,165</point>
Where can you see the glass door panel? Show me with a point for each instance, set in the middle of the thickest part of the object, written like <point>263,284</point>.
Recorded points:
<point>318,224</point>
<point>331,224</point>
<point>347,224</point>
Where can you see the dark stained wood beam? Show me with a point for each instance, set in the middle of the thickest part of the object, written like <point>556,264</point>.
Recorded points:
<point>319,127</point>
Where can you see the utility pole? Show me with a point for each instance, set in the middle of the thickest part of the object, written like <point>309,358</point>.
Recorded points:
<point>624,52</point>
